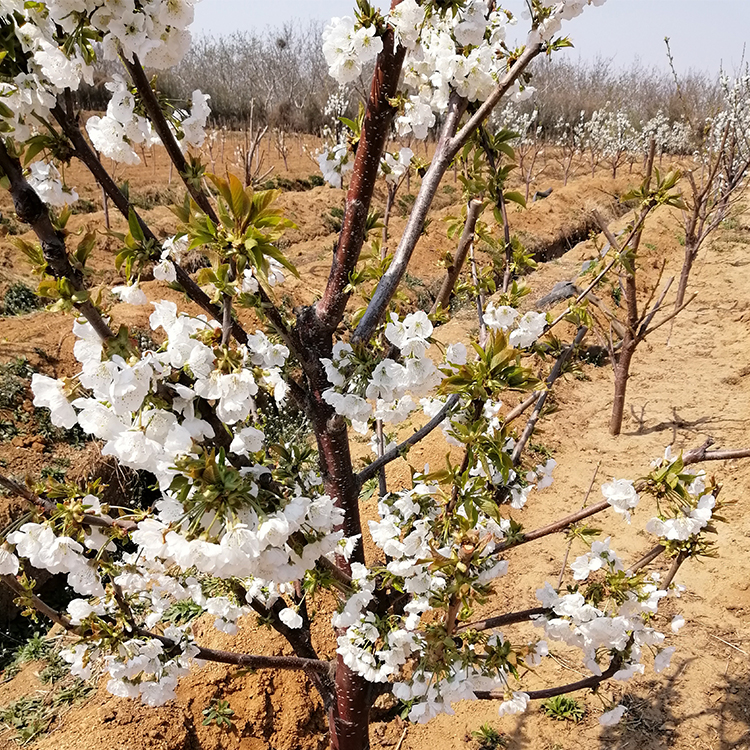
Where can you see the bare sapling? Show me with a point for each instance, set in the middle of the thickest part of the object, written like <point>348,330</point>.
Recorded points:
<point>281,146</point>
<point>719,181</point>
<point>484,178</point>
<point>250,151</point>
<point>640,319</point>
<point>258,519</point>
<point>569,139</point>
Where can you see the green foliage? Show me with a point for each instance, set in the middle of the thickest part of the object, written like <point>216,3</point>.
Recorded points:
<point>29,717</point>
<point>84,206</point>
<point>20,299</point>
<point>489,738</point>
<point>56,470</point>
<point>496,368</point>
<point>55,670</point>
<point>219,713</point>
<point>35,649</point>
<point>182,612</point>
<point>334,219</point>
<point>137,250</point>
<point>294,185</point>
<point>563,708</point>
<point>13,387</point>
<point>246,236</point>
<point>75,436</point>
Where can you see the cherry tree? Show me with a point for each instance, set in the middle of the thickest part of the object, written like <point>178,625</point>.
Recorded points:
<point>248,525</point>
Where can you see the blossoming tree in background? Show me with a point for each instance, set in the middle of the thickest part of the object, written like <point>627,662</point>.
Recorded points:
<point>246,524</point>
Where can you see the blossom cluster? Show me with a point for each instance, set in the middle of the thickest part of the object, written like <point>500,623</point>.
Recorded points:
<point>56,56</point>
<point>446,51</point>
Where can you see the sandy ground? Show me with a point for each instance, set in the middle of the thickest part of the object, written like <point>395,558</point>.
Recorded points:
<point>685,386</point>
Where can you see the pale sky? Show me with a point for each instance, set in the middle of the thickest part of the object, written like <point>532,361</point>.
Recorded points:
<point>704,33</point>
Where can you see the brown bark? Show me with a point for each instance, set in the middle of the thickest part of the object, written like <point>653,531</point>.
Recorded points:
<point>349,718</point>
<point>31,210</point>
<point>375,130</point>
<point>506,239</point>
<point>622,373</point>
<point>454,270</point>
<point>690,254</point>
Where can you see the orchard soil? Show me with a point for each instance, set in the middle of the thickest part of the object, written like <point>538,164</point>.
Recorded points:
<point>689,382</point>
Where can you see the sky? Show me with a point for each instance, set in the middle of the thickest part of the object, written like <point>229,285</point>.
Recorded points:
<point>704,34</point>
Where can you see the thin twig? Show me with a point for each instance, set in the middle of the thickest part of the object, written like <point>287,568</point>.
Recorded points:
<point>402,738</point>
<point>511,618</point>
<point>553,376</point>
<point>570,543</point>
<point>727,643</point>
<point>372,468</point>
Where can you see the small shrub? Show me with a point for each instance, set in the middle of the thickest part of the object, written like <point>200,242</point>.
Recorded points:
<point>35,649</point>
<point>334,219</point>
<point>55,670</point>
<point>220,713</point>
<point>84,206</point>
<point>8,225</point>
<point>28,717</point>
<point>489,738</point>
<point>20,299</point>
<point>56,470</point>
<point>74,436</point>
<point>563,708</point>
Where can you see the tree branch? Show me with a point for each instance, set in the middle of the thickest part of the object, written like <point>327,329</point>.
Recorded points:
<point>47,506</point>
<point>501,620</point>
<point>553,528</point>
<point>608,267</point>
<point>589,682</point>
<point>207,654</point>
<point>669,317</point>
<point>699,455</point>
<point>375,131</point>
<point>473,210</point>
<point>372,468</point>
<point>155,114</point>
<point>56,617</point>
<point>650,556</point>
<point>553,376</point>
<point>86,154</point>
<point>31,210</point>
<point>449,144</point>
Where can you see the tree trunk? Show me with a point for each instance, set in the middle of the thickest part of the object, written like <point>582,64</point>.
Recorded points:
<point>454,270</point>
<point>629,343</point>
<point>349,717</point>
<point>622,373</point>
<point>690,254</point>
